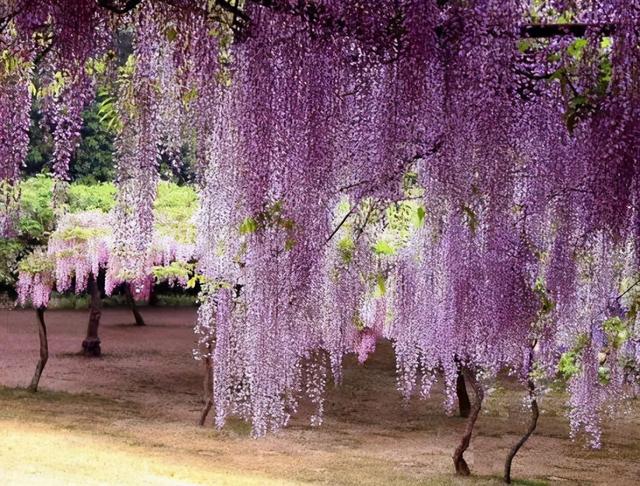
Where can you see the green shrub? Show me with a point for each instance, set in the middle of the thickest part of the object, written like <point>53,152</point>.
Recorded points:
<point>175,207</point>
<point>36,214</point>
<point>175,300</point>
<point>84,197</point>
<point>114,301</point>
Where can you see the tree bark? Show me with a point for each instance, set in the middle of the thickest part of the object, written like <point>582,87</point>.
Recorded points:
<point>458,456</point>
<point>207,390</point>
<point>533,422</point>
<point>464,405</point>
<point>134,308</point>
<point>91,344</point>
<point>44,350</point>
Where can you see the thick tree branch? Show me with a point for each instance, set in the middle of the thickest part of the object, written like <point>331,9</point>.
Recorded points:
<point>341,223</point>
<point>464,404</point>
<point>233,9</point>
<point>207,386</point>
<point>544,31</point>
<point>113,6</point>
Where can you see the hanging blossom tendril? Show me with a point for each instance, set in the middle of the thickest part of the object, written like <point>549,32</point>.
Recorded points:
<point>75,36</point>
<point>16,67</point>
<point>287,145</point>
<point>137,151</point>
<point>524,147</point>
<point>527,207</point>
<point>82,247</point>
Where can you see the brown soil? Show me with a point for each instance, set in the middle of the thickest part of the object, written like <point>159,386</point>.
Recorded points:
<point>128,418</point>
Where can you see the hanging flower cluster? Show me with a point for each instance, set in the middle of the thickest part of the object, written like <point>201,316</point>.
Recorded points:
<point>82,247</point>
<point>529,243</point>
<point>36,279</point>
<point>280,155</point>
<point>308,117</point>
<point>15,108</point>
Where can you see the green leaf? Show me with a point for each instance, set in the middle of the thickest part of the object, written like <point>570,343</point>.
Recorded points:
<point>382,284</point>
<point>346,247</point>
<point>568,366</point>
<point>383,248</point>
<point>189,96</point>
<point>576,48</point>
<point>420,215</point>
<point>171,34</point>
<point>606,43</point>
<point>288,224</point>
<point>617,331</point>
<point>604,375</point>
<point>248,226</point>
<point>289,244</point>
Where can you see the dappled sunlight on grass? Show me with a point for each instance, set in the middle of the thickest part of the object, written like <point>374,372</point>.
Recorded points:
<point>41,455</point>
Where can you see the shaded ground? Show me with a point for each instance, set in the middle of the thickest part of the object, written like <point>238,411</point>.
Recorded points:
<point>128,418</point>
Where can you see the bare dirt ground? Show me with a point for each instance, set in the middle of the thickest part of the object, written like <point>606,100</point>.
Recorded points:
<point>128,418</point>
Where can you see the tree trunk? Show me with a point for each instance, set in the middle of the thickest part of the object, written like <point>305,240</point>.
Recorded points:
<point>533,422</point>
<point>464,405</point>
<point>458,460</point>
<point>134,308</point>
<point>153,298</point>
<point>91,344</point>
<point>207,390</point>
<point>44,350</point>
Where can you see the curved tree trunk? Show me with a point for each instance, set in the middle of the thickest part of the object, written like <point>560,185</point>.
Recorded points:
<point>91,344</point>
<point>44,350</point>
<point>458,456</point>
<point>207,390</point>
<point>134,308</point>
<point>464,405</point>
<point>533,422</point>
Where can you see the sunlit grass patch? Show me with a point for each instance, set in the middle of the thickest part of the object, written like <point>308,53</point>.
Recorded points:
<point>39,455</point>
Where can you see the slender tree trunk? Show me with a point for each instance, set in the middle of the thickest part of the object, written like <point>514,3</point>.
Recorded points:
<point>44,350</point>
<point>134,308</point>
<point>153,298</point>
<point>207,390</point>
<point>464,405</point>
<point>533,422</point>
<point>458,456</point>
<point>91,344</point>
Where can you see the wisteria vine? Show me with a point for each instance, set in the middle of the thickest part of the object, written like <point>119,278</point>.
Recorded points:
<point>517,121</point>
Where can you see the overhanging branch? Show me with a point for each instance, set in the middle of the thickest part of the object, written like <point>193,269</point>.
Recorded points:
<point>545,31</point>
<point>233,9</point>
<point>113,6</point>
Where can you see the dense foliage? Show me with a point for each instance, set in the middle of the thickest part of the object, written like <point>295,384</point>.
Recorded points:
<point>307,119</point>
<point>93,159</point>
